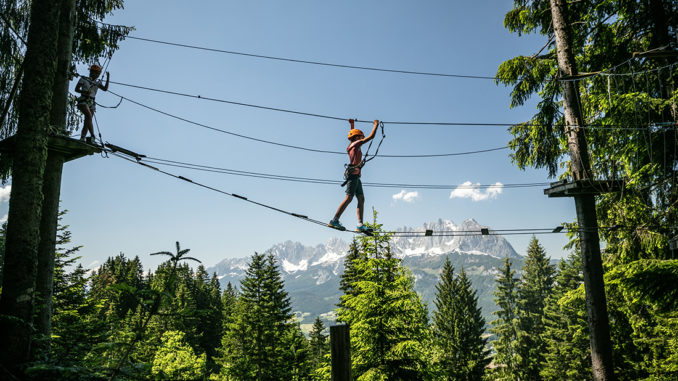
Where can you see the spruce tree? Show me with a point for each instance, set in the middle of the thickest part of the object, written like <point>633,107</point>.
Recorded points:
<point>535,288</point>
<point>348,277</point>
<point>567,354</point>
<point>458,328</point>
<point>389,332</point>
<point>505,327</point>
<point>257,343</point>
<point>318,342</point>
<point>229,299</point>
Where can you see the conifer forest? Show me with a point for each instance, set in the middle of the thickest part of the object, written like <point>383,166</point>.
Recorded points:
<point>604,129</point>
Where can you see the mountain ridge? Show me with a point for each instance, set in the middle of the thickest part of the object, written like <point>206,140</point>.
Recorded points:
<point>312,273</point>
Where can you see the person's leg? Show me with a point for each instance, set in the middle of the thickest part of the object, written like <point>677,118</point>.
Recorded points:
<point>87,126</point>
<point>342,207</point>
<point>361,204</point>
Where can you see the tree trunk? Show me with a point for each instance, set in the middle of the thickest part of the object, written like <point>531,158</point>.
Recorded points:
<point>51,187</point>
<point>596,304</point>
<point>30,152</point>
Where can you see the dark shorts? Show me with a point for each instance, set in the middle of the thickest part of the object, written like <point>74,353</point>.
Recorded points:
<point>354,186</point>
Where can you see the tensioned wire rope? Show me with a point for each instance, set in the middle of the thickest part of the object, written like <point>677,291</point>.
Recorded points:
<point>324,116</point>
<point>429,233</point>
<point>186,120</point>
<point>359,67</point>
<point>236,172</point>
<point>309,62</point>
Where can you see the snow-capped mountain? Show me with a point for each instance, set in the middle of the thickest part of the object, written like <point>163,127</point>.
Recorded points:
<point>492,245</point>
<point>311,273</point>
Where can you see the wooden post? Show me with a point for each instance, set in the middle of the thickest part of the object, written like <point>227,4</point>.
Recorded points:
<point>51,184</point>
<point>25,206</point>
<point>340,340</point>
<point>596,304</point>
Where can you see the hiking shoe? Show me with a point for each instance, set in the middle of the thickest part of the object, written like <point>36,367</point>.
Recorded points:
<point>335,224</point>
<point>364,229</point>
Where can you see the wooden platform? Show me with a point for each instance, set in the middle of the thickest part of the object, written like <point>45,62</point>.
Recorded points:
<point>581,187</point>
<point>71,148</point>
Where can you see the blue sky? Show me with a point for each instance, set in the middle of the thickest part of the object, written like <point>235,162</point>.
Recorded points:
<point>115,206</point>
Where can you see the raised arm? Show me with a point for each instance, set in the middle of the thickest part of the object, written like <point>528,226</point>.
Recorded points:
<point>374,132</point>
<point>108,76</point>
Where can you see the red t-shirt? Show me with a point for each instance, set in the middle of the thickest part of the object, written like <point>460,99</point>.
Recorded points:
<point>355,155</point>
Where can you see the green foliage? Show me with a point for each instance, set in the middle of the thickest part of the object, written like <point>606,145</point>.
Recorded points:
<point>458,329</point>
<point>535,288</point>
<point>319,343</point>
<point>566,333</point>
<point>645,329</point>
<point>389,333</point>
<point>262,342</point>
<point>653,281</point>
<point>505,327</point>
<point>175,359</point>
<point>631,92</point>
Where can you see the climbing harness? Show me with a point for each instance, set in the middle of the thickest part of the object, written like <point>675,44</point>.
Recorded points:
<point>349,168</point>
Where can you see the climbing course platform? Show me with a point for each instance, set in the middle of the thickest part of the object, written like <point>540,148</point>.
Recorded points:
<point>71,148</point>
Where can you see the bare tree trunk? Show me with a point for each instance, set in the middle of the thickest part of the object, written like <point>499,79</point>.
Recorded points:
<point>51,187</point>
<point>596,304</point>
<point>23,225</point>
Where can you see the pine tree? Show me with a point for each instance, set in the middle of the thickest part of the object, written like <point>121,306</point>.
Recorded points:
<point>318,342</point>
<point>348,277</point>
<point>535,288</point>
<point>257,343</point>
<point>505,327</point>
<point>298,356</point>
<point>229,299</point>
<point>458,328</point>
<point>567,353</point>
<point>389,332</point>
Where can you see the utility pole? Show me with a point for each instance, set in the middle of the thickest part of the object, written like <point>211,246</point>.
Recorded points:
<point>596,304</point>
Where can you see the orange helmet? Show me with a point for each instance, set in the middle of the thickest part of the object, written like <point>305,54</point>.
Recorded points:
<point>355,132</point>
<point>95,67</point>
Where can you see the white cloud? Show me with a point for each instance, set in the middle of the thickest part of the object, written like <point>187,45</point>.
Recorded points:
<point>3,219</point>
<point>4,193</point>
<point>406,196</point>
<point>475,193</point>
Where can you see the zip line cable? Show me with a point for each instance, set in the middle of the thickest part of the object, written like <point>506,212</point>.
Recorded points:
<point>290,145</point>
<point>137,159</point>
<point>319,63</point>
<point>303,113</point>
<point>205,168</point>
<point>368,68</point>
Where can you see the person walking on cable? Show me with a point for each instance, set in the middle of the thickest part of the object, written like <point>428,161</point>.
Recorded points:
<point>87,87</point>
<point>353,185</point>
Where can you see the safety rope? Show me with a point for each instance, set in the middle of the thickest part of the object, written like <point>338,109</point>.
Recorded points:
<point>367,152</point>
<point>104,154</point>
